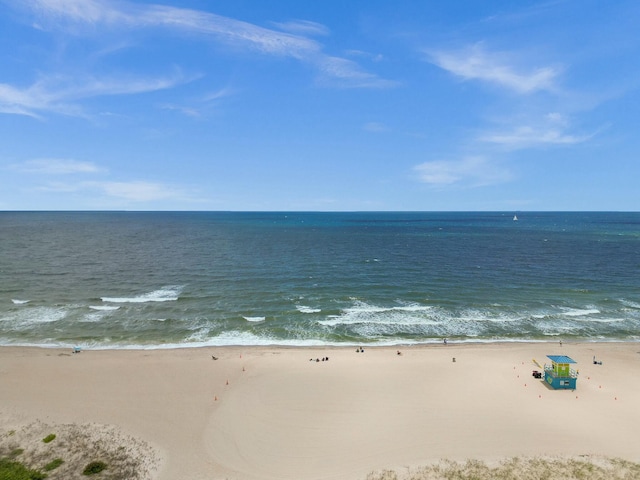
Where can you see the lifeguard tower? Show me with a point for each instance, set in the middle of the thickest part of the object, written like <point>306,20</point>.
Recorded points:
<point>560,374</point>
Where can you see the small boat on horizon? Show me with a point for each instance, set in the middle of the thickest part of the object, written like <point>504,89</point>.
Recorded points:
<point>515,218</point>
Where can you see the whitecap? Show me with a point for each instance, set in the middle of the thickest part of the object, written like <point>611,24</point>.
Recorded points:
<point>607,320</point>
<point>629,303</point>
<point>414,308</point>
<point>306,309</point>
<point>578,312</point>
<point>19,302</point>
<point>166,294</point>
<point>93,317</point>
<point>364,308</point>
<point>105,308</point>
<point>254,319</point>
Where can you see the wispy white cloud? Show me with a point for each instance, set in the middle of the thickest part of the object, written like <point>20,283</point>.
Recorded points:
<point>124,85</point>
<point>60,94</point>
<point>200,106</point>
<point>303,27</point>
<point>527,136</point>
<point>376,127</point>
<point>236,32</point>
<point>123,193</point>
<point>293,42</point>
<point>58,170</point>
<point>84,11</point>
<point>57,166</point>
<point>183,109</point>
<point>140,191</point>
<point>474,171</point>
<point>374,57</point>
<point>499,68</point>
<point>553,129</point>
<point>343,72</point>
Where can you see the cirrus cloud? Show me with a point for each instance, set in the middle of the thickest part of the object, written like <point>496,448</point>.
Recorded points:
<point>60,94</point>
<point>551,129</point>
<point>474,171</point>
<point>476,63</point>
<point>90,16</point>
<point>56,166</point>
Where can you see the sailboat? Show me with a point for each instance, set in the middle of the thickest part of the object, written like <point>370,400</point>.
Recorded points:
<point>515,218</point>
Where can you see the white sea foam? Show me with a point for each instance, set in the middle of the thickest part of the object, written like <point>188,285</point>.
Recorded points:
<point>607,320</point>
<point>579,312</point>
<point>306,309</point>
<point>165,294</point>
<point>19,302</point>
<point>414,308</point>
<point>232,338</point>
<point>362,307</point>
<point>630,304</point>
<point>27,318</point>
<point>254,319</point>
<point>93,317</point>
<point>363,313</point>
<point>474,315</point>
<point>98,313</point>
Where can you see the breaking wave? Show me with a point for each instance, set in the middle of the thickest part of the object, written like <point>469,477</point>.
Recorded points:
<point>166,294</point>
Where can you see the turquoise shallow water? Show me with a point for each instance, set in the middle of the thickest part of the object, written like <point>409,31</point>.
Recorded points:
<point>116,279</point>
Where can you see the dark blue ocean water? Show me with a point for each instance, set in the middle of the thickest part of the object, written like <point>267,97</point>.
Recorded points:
<point>117,279</point>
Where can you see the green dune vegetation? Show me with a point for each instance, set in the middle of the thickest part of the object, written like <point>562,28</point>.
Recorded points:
<point>73,452</point>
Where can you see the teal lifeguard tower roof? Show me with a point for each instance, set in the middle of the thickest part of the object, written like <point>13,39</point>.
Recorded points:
<point>560,359</point>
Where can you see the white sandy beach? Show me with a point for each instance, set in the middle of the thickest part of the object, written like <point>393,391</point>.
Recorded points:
<point>271,413</point>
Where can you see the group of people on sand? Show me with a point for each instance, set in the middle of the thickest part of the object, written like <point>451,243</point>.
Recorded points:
<point>324,359</point>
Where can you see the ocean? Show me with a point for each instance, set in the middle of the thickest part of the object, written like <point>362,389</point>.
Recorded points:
<point>188,279</point>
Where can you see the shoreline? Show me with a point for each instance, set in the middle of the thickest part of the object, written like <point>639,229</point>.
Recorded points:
<point>267,412</point>
<point>400,344</point>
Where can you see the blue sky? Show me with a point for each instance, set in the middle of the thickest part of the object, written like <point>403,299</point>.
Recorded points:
<point>319,105</point>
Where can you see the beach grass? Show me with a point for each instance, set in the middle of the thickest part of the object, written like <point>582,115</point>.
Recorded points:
<point>94,467</point>
<point>13,470</point>
<point>79,451</point>
<point>53,464</point>
<point>517,468</point>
